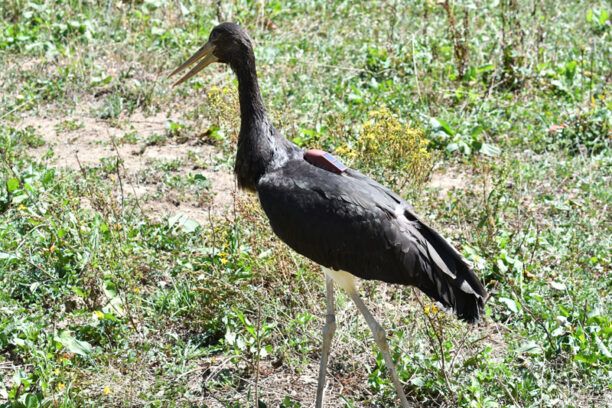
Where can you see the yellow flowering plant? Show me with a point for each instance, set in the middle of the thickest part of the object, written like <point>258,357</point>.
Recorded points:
<point>223,106</point>
<point>390,150</point>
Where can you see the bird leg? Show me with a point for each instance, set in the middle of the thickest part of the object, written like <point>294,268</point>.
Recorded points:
<point>328,334</point>
<point>381,339</point>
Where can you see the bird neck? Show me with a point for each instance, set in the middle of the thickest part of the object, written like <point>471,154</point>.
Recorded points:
<point>255,150</point>
<point>252,108</point>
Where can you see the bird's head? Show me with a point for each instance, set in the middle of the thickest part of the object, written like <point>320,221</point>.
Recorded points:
<point>228,43</point>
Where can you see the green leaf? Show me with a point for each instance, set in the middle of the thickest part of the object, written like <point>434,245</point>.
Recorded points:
<point>32,401</point>
<point>486,68</point>
<point>185,223</point>
<point>490,150</point>
<point>114,307</point>
<point>418,381</point>
<point>583,358</point>
<point>439,124</point>
<point>452,147</point>
<point>530,347</point>
<point>476,131</point>
<point>101,80</point>
<point>215,133</point>
<point>570,70</point>
<point>73,345</point>
<point>602,347</point>
<point>48,177</point>
<point>201,180</point>
<point>603,17</point>
<point>265,254</point>
<point>110,289</point>
<point>78,291</point>
<point>18,199</point>
<point>510,304</point>
<point>12,184</point>
<point>7,256</point>
<point>558,285</point>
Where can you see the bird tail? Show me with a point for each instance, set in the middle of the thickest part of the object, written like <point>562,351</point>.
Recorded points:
<point>452,281</point>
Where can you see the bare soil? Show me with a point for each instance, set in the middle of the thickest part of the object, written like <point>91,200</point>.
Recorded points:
<point>96,139</point>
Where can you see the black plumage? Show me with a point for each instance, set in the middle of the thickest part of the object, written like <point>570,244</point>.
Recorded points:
<point>343,221</point>
<point>350,222</point>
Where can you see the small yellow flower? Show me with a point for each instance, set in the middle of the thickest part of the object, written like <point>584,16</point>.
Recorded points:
<point>22,207</point>
<point>223,257</point>
<point>106,390</point>
<point>61,386</point>
<point>431,310</point>
<point>99,314</point>
<point>136,290</point>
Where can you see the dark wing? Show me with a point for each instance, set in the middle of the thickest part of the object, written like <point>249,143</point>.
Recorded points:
<point>349,222</point>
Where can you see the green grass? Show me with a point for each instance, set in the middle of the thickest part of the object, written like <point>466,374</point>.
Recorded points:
<point>105,301</point>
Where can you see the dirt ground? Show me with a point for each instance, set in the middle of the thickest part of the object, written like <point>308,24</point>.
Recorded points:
<point>95,139</point>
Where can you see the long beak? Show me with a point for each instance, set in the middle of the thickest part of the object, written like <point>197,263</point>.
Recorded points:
<point>206,57</point>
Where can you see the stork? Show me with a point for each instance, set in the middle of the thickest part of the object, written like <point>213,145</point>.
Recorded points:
<point>344,221</point>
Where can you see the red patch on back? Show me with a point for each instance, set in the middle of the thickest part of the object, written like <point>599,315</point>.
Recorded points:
<point>324,160</point>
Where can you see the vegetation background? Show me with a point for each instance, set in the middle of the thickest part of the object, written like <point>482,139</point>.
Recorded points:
<point>132,273</point>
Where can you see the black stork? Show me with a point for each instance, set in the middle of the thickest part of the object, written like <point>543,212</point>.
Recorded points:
<point>336,216</point>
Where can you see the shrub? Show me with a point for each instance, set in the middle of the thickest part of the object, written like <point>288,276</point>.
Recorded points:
<point>391,150</point>
<point>584,130</point>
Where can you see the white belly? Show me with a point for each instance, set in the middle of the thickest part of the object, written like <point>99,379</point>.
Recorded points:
<point>343,279</point>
